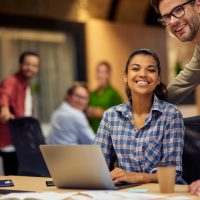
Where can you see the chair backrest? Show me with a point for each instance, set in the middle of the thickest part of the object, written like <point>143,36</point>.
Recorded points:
<point>191,152</point>
<point>27,135</point>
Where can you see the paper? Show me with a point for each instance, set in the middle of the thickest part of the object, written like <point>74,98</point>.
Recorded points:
<point>180,198</point>
<point>37,196</point>
<point>143,190</point>
<point>114,195</point>
<point>91,195</point>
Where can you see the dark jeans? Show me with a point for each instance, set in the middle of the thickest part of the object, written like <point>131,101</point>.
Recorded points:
<point>10,162</point>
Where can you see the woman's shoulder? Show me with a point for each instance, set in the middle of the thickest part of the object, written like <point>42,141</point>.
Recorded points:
<point>169,107</point>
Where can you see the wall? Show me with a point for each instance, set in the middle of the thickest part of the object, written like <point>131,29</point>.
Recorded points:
<point>115,42</point>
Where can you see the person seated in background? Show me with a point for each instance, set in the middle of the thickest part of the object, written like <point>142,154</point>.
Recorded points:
<point>16,101</point>
<point>69,124</point>
<point>104,97</point>
<point>145,131</point>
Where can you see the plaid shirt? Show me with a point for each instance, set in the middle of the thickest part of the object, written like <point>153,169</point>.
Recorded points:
<point>159,140</point>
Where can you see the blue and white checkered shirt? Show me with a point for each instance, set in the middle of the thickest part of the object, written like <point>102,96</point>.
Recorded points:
<point>160,140</point>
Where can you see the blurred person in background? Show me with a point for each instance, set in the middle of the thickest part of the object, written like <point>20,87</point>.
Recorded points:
<point>103,97</point>
<point>69,124</point>
<point>16,101</point>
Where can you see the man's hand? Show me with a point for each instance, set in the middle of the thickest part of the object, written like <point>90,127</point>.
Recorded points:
<point>5,114</point>
<point>194,188</point>
<point>96,112</point>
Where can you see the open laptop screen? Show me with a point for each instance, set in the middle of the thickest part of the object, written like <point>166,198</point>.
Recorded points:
<point>78,166</point>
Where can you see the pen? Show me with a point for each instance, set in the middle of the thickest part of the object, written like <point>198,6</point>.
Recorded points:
<point>138,190</point>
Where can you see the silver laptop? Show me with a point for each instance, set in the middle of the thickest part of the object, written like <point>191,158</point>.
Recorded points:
<point>79,167</point>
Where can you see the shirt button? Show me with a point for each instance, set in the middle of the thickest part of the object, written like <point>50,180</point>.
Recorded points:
<point>143,149</point>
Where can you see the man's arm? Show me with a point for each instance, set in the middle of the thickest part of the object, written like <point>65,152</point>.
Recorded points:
<point>84,131</point>
<point>186,81</point>
<point>6,90</point>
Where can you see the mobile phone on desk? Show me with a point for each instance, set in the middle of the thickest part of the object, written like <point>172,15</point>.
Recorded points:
<point>6,183</point>
<point>50,183</point>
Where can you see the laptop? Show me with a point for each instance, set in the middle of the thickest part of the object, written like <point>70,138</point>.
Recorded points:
<point>79,167</point>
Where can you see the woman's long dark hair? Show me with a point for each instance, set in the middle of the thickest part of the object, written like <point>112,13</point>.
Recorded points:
<point>161,90</point>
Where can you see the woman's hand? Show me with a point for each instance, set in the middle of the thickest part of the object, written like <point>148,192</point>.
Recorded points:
<point>194,188</point>
<point>120,175</point>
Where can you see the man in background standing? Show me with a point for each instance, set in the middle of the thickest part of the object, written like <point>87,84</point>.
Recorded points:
<point>103,97</point>
<point>16,101</point>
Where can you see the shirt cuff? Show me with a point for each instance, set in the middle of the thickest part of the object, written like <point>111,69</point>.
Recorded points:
<point>153,171</point>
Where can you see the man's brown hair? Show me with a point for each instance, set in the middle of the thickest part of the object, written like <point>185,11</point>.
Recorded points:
<point>155,4</point>
<point>73,87</point>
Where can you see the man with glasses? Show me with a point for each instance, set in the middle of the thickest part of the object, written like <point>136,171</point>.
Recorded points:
<point>69,124</point>
<point>182,19</point>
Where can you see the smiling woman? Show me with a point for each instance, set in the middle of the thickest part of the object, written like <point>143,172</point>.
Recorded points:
<point>144,65</point>
<point>137,133</point>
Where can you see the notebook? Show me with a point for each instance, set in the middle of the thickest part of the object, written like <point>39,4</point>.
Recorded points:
<point>79,167</point>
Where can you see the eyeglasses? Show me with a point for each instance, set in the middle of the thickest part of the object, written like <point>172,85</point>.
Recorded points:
<point>177,12</point>
<point>81,97</point>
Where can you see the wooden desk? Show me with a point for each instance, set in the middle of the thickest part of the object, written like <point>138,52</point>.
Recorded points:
<point>38,184</point>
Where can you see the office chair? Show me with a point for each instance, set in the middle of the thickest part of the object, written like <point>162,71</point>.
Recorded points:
<point>27,135</point>
<point>191,151</point>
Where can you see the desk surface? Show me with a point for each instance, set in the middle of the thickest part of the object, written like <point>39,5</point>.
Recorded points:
<point>38,184</point>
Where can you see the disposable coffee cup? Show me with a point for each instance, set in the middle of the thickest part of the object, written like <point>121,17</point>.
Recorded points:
<point>166,177</point>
